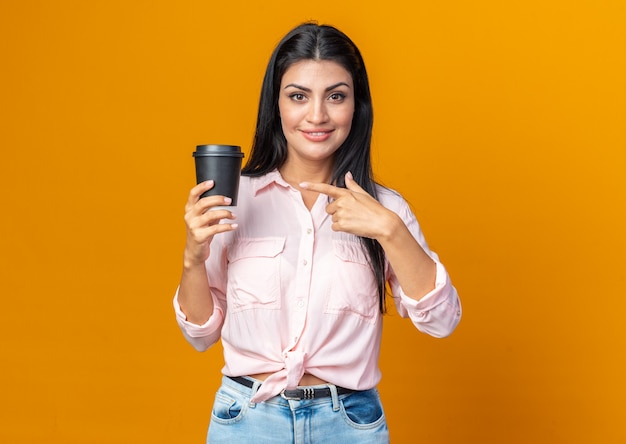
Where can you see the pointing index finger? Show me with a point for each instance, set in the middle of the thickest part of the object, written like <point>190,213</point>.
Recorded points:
<point>323,188</point>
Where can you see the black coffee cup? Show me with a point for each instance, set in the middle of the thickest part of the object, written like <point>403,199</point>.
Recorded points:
<point>222,165</point>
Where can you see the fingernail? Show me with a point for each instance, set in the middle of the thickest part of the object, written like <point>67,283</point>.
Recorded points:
<point>227,200</point>
<point>304,184</point>
<point>349,175</point>
<point>208,182</point>
<point>233,226</point>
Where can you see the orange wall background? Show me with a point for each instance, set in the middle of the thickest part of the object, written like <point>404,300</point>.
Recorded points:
<point>503,123</point>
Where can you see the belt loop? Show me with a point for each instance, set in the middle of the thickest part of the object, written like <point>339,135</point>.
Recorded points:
<point>334,397</point>
<point>255,388</point>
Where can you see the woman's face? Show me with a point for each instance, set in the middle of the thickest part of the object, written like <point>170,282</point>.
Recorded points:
<point>316,105</point>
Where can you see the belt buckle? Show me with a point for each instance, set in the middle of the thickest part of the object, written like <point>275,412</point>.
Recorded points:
<point>303,393</point>
<point>284,395</point>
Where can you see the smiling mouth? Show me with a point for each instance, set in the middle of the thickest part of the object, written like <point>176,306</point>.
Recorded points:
<point>317,136</point>
<point>317,133</point>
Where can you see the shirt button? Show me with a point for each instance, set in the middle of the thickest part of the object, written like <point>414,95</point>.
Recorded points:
<point>309,231</point>
<point>300,303</point>
<point>304,262</point>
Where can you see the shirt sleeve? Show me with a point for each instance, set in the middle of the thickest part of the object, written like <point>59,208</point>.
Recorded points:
<point>438,312</point>
<point>201,337</point>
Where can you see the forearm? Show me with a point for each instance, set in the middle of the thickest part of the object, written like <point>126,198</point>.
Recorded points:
<point>415,270</point>
<point>194,294</point>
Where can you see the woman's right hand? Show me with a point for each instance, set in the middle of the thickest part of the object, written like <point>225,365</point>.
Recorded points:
<point>203,223</point>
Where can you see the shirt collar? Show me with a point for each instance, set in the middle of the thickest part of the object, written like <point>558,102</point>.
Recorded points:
<point>261,182</point>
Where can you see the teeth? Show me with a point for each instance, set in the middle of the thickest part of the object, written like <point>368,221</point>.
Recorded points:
<point>317,134</point>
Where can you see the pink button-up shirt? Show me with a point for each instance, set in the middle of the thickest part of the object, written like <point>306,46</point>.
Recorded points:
<point>292,296</point>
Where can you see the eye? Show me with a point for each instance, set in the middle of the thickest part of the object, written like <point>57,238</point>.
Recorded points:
<point>337,97</point>
<point>297,97</point>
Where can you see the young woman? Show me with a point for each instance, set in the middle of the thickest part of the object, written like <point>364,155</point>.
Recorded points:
<point>293,279</point>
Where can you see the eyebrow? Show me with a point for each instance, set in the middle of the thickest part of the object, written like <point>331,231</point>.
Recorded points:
<point>336,85</point>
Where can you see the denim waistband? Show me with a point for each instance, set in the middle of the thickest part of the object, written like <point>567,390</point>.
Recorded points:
<point>280,399</point>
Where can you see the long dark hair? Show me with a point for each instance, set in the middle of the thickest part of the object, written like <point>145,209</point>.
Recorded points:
<point>310,41</point>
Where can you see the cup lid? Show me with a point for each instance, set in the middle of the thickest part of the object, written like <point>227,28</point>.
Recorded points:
<point>218,150</point>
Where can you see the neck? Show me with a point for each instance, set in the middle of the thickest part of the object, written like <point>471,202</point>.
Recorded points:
<point>296,174</point>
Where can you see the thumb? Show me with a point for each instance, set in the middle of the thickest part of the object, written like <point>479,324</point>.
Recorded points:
<point>352,185</point>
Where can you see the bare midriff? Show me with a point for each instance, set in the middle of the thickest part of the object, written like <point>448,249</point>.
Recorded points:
<point>307,379</point>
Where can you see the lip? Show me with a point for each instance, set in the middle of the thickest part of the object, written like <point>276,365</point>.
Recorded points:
<point>317,135</point>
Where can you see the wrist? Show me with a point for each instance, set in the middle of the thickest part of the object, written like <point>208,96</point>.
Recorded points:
<point>192,262</point>
<point>389,228</point>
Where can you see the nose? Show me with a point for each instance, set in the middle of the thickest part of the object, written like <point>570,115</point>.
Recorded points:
<point>317,112</point>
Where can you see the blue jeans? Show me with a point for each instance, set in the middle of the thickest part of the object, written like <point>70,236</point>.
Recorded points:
<point>350,418</point>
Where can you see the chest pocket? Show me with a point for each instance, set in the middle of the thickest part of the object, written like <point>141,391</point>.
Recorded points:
<point>353,288</point>
<point>254,273</point>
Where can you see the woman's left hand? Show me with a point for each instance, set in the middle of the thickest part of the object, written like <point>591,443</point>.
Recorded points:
<point>354,211</point>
